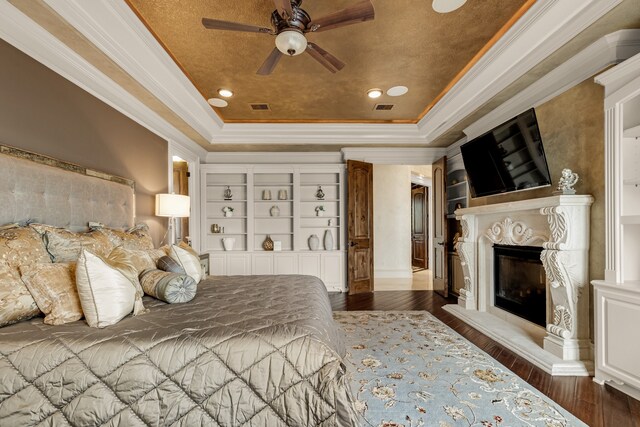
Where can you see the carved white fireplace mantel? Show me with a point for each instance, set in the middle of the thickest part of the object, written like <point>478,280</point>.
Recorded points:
<point>558,224</point>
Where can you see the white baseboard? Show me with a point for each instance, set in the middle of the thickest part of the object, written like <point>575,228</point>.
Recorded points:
<point>393,274</point>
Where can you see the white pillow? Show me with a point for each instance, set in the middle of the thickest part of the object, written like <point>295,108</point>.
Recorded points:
<point>188,260</point>
<point>106,289</point>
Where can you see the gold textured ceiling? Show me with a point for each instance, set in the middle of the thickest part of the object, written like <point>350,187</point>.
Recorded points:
<point>407,44</point>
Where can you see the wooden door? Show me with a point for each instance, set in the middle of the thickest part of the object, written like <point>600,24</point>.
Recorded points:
<point>359,227</point>
<point>439,220</point>
<point>419,229</point>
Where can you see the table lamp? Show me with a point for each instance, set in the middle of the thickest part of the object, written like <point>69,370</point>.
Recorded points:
<point>172,206</point>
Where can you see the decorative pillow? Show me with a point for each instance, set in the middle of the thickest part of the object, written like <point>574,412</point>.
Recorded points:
<point>142,260</point>
<point>53,287</point>
<point>166,263</point>
<point>65,246</point>
<point>188,259</point>
<point>168,287</point>
<point>107,288</point>
<point>20,247</point>
<point>16,303</point>
<point>137,237</point>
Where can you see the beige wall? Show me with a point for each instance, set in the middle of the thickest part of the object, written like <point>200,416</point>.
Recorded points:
<point>572,130</point>
<point>392,218</point>
<point>41,111</point>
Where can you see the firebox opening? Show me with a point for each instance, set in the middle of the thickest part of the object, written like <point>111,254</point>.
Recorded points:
<point>520,282</point>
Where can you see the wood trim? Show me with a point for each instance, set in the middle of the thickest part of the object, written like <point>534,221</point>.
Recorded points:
<point>497,36</point>
<point>61,164</point>
<point>312,121</point>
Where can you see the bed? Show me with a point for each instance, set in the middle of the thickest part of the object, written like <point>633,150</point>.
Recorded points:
<point>257,350</point>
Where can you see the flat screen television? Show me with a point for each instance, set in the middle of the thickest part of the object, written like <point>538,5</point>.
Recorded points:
<point>508,158</point>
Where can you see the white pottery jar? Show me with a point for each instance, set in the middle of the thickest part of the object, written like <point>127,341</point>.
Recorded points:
<point>228,242</point>
<point>228,213</point>
<point>274,211</point>
<point>314,242</point>
<point>328,240</point>
<point>319,213</point>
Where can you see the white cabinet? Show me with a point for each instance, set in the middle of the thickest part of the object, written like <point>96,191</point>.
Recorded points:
<point>618,295</point>
<point>284,203</point>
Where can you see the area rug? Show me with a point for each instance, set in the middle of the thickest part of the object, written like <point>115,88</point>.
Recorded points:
<point>409,369</point>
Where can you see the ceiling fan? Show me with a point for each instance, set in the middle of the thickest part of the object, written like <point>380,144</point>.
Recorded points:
<point>291,23</point>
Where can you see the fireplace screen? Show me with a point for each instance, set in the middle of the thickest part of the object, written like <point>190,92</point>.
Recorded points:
<point>520,282</point>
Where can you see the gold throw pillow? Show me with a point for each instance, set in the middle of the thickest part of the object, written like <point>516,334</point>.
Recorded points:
<point>53,287</point>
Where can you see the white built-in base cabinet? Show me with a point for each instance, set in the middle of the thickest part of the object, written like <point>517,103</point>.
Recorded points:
<point>327,265</point>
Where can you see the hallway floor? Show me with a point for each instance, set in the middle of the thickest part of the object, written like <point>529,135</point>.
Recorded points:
<point>421,281</point>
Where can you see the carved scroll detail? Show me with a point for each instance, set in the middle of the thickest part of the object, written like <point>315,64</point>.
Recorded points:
<point>517,233</point>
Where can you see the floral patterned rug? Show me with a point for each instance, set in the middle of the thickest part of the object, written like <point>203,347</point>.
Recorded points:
<point>409,369</point>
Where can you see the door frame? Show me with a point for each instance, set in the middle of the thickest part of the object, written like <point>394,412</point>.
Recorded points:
<point>193,161</point>
<point>419,179</point>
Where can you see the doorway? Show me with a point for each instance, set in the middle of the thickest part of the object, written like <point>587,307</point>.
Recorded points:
<point>181,186</point>
<point>419,228</point>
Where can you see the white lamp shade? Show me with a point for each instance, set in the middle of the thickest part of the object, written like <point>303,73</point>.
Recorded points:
<point>291,42</point>
<point>172,205</point>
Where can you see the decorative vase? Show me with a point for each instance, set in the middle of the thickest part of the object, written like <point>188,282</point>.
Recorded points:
<point>314,242</point>
<point>282,195</point>
<point>228,242</point>
<point>267,245</point>
<point>274,211</point>
<point>319,213</point>
<point>328,240</point>
<point>227,193</point>
<point>228,213</point>
<point>266,195</point>
<point>320,193</point>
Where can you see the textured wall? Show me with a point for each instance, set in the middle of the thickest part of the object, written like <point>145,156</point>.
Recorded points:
<point>572,130</point>
<point>41,111</point>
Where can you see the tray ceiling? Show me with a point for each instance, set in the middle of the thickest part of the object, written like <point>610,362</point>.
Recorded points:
<point>407,44</point>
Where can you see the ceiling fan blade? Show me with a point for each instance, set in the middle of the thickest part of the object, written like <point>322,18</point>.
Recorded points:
<point>215,24</point>
<point>284,8</point>
<point>329,61</point>
<point>270,63</point>
<point>359,12</point>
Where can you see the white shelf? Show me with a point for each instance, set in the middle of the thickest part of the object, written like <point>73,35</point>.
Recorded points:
<point>273,217</point>
<point>226,234</point>
<point>227,217</point>
<point>226,185</point>
<point>457,184</point>
<point>630,219</point>
<point>326,184</point>
<point>223,200</point>
<point>273,184</point>
<point>319,217</point>
<point>319,201</point>
<point>320,226</point>
<point>273,201</point>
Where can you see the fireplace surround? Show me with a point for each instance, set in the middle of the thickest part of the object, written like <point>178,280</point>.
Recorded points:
<point>559,227</point>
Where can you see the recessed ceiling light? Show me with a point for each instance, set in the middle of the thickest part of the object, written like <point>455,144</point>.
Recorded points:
<point>217,102</point>
<point>397,91</point>
<point>226,93</point>
<point>446,6</point>
<point>374,93</point>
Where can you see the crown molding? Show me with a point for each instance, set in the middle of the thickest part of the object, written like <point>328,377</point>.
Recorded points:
<point>394,156</point>
<point>268,158</point>
<point>544,28</point>
<point>606,51</point>
<point>24,34</point>
<point>115,29</point>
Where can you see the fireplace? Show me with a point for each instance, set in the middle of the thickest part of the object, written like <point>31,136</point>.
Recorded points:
<point>520,282</point>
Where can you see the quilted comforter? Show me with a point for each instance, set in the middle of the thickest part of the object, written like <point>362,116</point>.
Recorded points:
<point>252,350</point>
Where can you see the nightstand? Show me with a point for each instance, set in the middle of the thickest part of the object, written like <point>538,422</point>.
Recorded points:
<point>204,263</point>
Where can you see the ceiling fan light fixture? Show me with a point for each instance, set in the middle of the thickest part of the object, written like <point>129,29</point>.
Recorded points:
<point>446,6</point>
<point>374,93</point>
<point>225,93</point>
<point>291,42</point>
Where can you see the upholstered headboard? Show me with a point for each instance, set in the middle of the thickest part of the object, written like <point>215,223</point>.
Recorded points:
<point>45,190</point>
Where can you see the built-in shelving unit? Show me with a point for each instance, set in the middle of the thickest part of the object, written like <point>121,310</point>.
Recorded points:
<point>457,197</point>
<point>617,298</point>
<point>281,202</point>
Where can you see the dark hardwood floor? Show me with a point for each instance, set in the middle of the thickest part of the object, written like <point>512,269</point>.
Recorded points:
<point>595,405</point>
